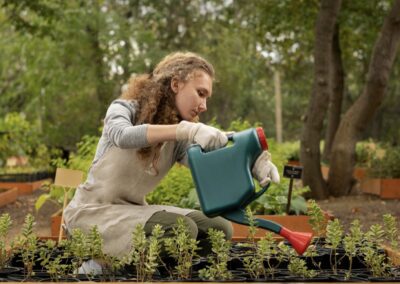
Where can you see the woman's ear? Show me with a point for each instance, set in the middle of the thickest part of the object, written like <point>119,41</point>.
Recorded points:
<point>175,85</point>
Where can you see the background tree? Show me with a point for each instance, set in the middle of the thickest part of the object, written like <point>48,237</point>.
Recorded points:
<point>311,136</point>
<point>362,111</point>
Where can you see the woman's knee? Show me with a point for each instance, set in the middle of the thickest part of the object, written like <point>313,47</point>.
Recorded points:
<point>218,223</point>
<point>191,226</point>
<point>224,226</point>
<point>168,222</point>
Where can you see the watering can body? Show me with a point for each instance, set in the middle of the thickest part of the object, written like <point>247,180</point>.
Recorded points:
<point>225,185</point>
<point>223,177</point>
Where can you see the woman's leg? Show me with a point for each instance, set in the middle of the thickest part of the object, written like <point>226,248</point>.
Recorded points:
<point>168,221</point>
<point>204,223</point>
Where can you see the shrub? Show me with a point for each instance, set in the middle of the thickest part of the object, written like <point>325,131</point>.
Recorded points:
<point>174,189</point>
<point>386,166</point>
<point>19,137</point>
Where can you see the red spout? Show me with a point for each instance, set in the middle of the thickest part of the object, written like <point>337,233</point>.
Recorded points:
<point>262,138</point>
<point>299,240</point>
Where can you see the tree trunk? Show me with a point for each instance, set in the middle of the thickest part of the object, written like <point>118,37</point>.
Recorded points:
<point>278,106</point>
<point>335,101</point>
<point>311,135</point>
<point>362,111</point>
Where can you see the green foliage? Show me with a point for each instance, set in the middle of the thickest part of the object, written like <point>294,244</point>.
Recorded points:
<point>265,258</point>
<point>352,243</point>
<point>252,225</point>
<point>182,247</point>
<point>218,268</point>
<point>27,245</point>
<point>175,188</point>
<point>356,232</point>
<point>268,251</point>
<point>317,217</point>
<point>275,199</point>
<point>386,166</point>
<point>298,267</point>
<point>375,260</point>
<point>145,252</point>
<point>81,160</point>
<point>391,231</point>
<point>79,248</point>
<point>95,244</point>
<point>294,155</point>
<point>334,234</point>
<point>83,157</point>
<point>5,254</point>
<point>19,137</point>
<point>365,153</point>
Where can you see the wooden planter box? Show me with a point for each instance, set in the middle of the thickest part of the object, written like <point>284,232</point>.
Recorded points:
<point>24,188</point>
<point>358,173</point>
<point>292,222</point>
<point>384,188</point>
<point>55,224</point>
<point>294,162</point>
<point>8,195</point>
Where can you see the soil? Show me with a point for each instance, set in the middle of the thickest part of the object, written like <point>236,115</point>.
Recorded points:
<point>367,208</point>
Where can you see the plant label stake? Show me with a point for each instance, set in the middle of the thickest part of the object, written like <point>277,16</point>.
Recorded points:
<point>67,179</point>
<point>292,172</point>
<point>225,185</point>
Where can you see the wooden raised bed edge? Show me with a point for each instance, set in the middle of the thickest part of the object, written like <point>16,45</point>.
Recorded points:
<point>8,196</point>
<point>24,188</point>
<point>292,222</point>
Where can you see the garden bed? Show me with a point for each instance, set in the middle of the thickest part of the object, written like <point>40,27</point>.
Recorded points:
<point>290,268</point>
<point>26,183</point>
<point>24,188</point>
<point>26,177</point>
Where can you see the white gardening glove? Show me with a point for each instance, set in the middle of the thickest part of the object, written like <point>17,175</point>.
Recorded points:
<point>264,170</point>
<point>209,138</point>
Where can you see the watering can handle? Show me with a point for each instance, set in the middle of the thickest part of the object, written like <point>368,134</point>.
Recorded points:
<point>261,192</point>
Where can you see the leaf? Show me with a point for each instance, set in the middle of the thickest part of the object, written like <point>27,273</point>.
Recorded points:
<point>41,200</point>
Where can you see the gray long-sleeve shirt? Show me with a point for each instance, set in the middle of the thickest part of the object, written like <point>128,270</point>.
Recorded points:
<point>120,131</point>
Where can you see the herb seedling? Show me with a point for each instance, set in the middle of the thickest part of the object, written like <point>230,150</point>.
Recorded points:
<point>298,268</point>
<point>218,268</point>
<point>27,244</point>
<point>182,247</point>
<point>5,256</point>
<point>334,233</point>
<point>145,252</point>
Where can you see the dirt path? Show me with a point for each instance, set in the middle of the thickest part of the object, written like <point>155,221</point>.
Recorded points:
<point>369,209</point>
<point>26,204</point>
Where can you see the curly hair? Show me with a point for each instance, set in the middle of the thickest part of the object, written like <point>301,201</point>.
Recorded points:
<point>154,95</point>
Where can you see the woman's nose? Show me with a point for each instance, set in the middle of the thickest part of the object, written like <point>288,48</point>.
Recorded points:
<point>203,106</point>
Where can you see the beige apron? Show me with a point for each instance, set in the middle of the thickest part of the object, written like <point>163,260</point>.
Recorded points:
<point>113,197</point>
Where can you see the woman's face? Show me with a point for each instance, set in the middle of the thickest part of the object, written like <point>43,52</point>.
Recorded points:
<point>191,96</point>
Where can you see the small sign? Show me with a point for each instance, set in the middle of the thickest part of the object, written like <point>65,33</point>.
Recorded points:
<point>292,172</point>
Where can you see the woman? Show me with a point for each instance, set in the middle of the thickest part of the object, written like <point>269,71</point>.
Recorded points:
<point>145,132</point>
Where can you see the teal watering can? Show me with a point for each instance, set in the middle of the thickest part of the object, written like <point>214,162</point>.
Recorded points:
<point>225,185</point>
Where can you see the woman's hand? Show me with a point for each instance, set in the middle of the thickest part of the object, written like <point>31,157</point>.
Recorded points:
<point>264,170</point>
<point>209,138</point>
